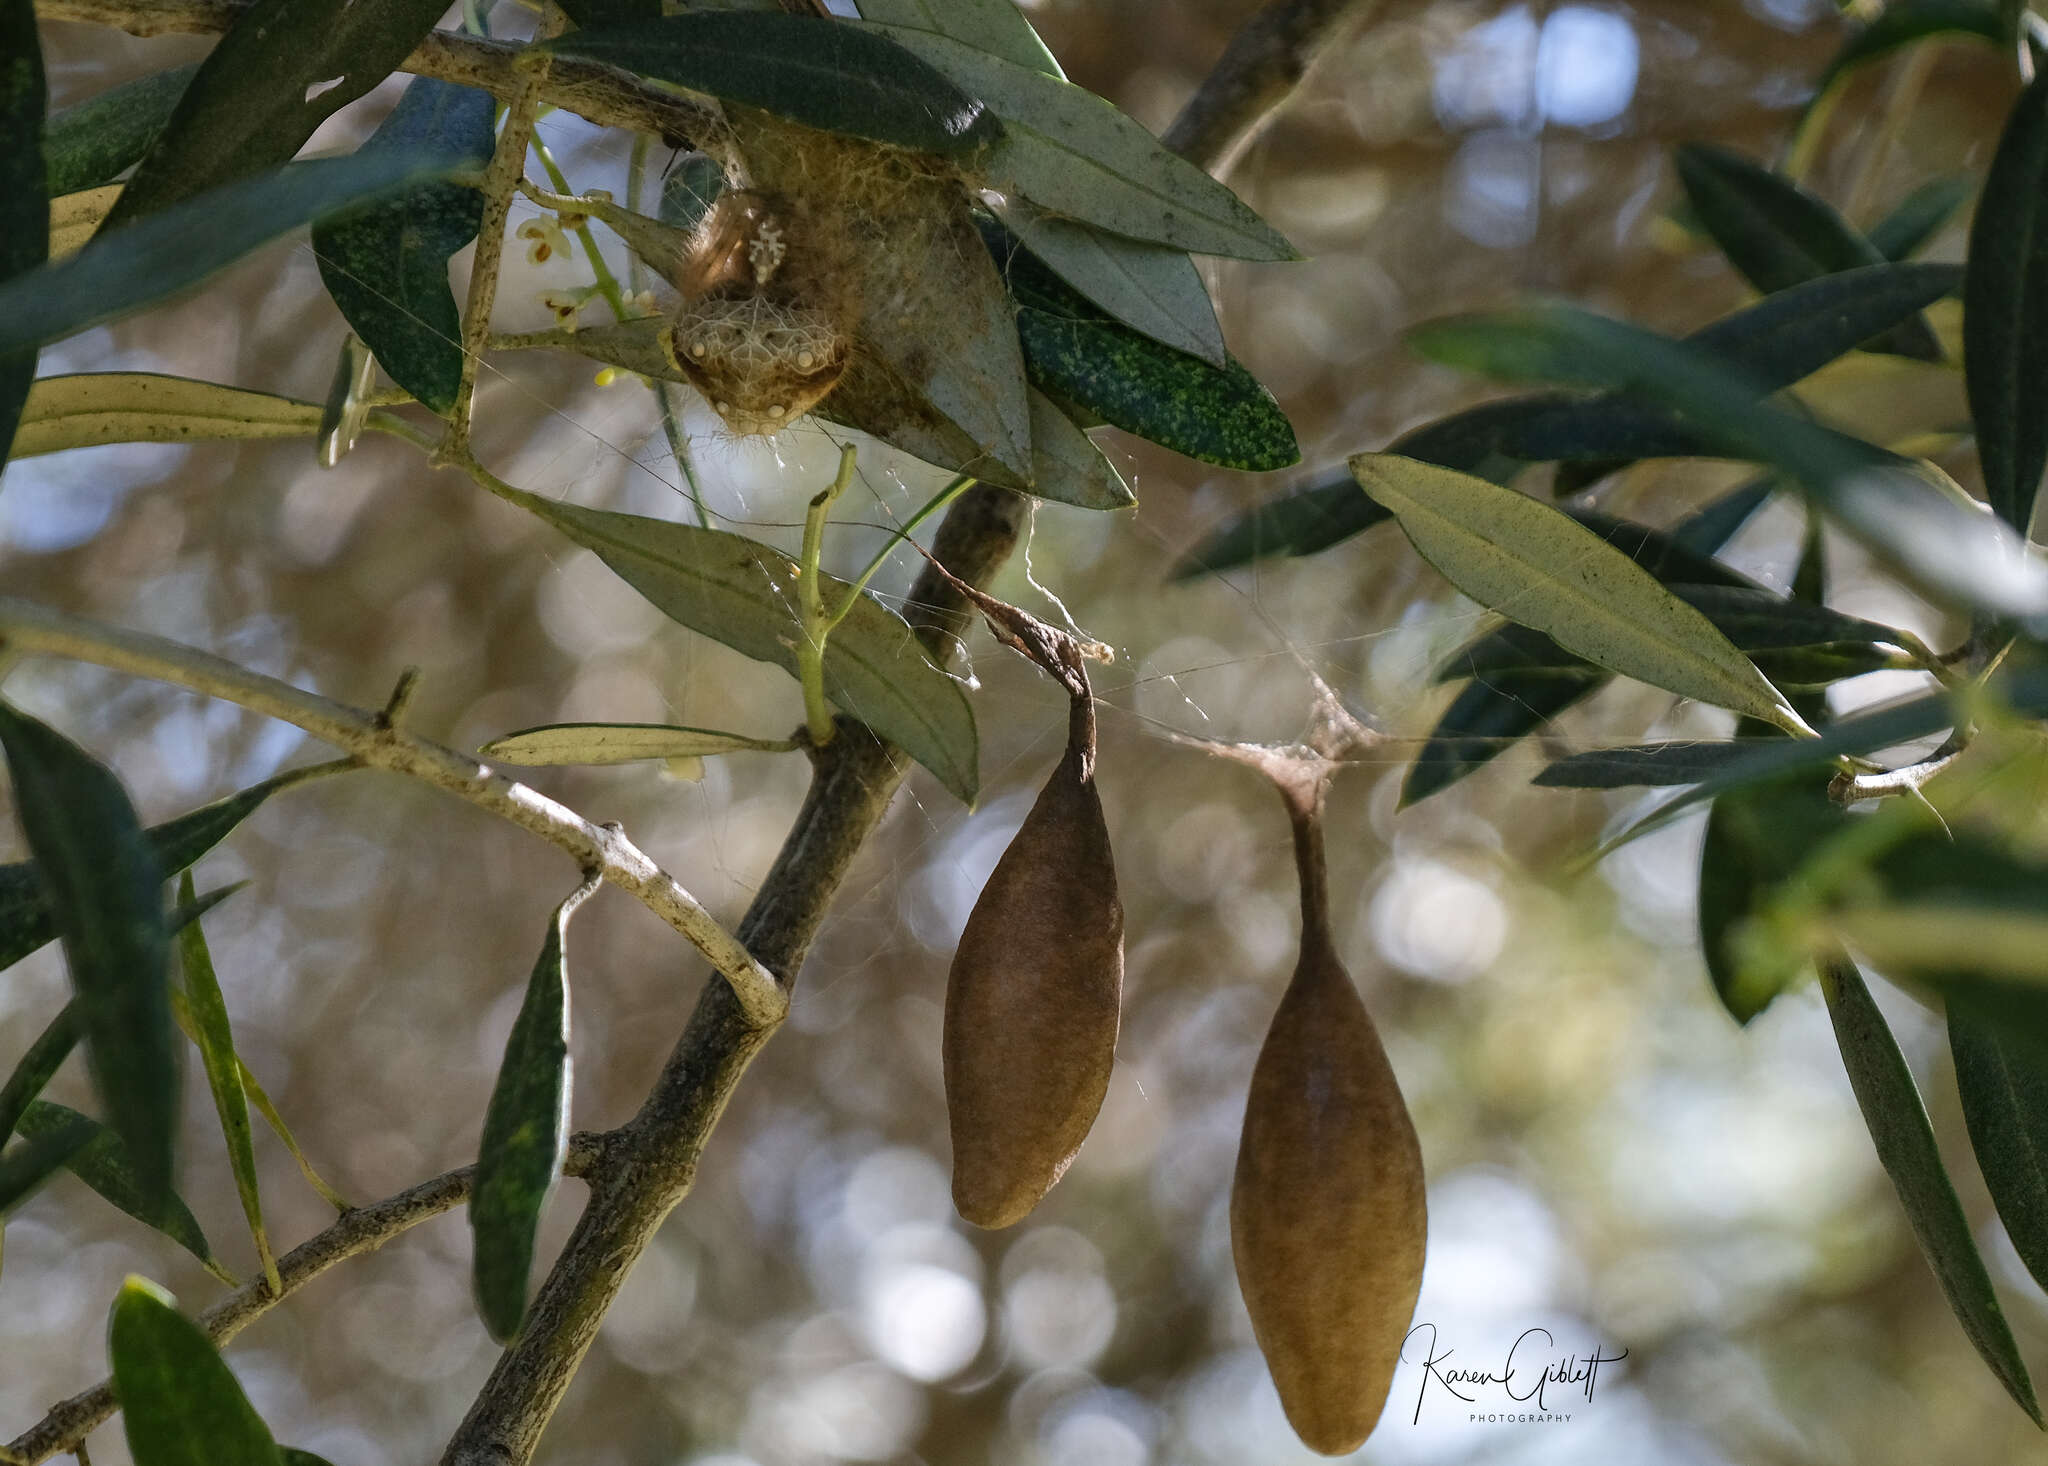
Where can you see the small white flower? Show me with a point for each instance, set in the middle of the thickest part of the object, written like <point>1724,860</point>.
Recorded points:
<point>545,232</point>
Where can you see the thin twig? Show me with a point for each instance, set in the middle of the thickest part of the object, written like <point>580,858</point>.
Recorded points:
<point>1849,786</point>
<point>30,628</point>
<point>1259,70</point>
<point>362,1230</point>
<point>501,180</point>
<point>817,616</point>
<point>602,94</point>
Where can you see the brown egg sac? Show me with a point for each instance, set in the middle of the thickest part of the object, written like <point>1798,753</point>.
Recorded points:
<point>758,333</point>
<point>1327,1219</point>
<point>820,247</point>
<point>1033,999</point>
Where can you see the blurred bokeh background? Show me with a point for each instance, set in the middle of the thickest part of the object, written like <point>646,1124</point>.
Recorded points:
<point>1610,1158</point>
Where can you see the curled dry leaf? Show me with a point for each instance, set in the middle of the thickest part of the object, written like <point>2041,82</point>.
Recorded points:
<point>1033,1000</point>
<point>1327,1219</point>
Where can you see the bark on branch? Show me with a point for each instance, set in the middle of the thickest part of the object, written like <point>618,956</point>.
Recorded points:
<point>1261,67</point>
<point>33,630</point>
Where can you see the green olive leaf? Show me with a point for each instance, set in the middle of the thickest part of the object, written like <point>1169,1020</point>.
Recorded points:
<point>1489,716</point>
<point>202,1000</point>
<point>1894,506</point>
<point>24,187</point>
<point>995,26</point>
<point>526,1134</point>
<point>743,593</point>
<point>1080,356</point>
<point>1074,154</point>
<point>95,141</point>
<point>1756,838</point>
<point>283,68</point>
<point>1777,235</point>
<point>38,1067</point>
<point>387,265</point>
<point>834,75</point>
<point>88,409</point>
<point>108,1167</point>
<point>2005,313</point>
<point>1920,215</point>
<point>180,1404</point>
<point>25,1167</point>
<point>619,743</point>
<point>2003,1081</point>
<point>1891,1107</point>
<point>1152,288</point>
<point>129,269</point>
<point>1792,644</point>
<point>1642,765</point>
<point>1534,564</point>
<point>103,886</point>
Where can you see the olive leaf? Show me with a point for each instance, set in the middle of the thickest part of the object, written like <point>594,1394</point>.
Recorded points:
<point>1920,215</point>
<point>2003,1081</point>
<point>1488,716</point>
<point>1779,340</point>
<point>619,743</point>
<point>1081,356</point>
<point>103,886</point>
<point>93,142</point>
<point>995,26</point>
<point>743,593</point>
<point>387,265</point>
<point>2005,313</point>
<point>1936,542</point>
<point>25,1167</point>
<point>1863,734</point>
<point>1794,645</point>
<point>1152,288</point>
<point>526,1134</point>
<point>60,1036</point>
<point>1074,154</point>
<point>24,187</point>
<point>105,1164</point>
<point>1777,234</point>
<point>1756,838</point>
<point>1530,562</point>
<point>180,1404</point>
<point>208,1011</point>
<point>283,68</point>
<point>155,258</point>
<point>834,75</point>
<point>36,1068</point>
<point>1639,765</point>
<point>1066,465</point>
<point>1891,1107</point>
<point>87,409</point>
